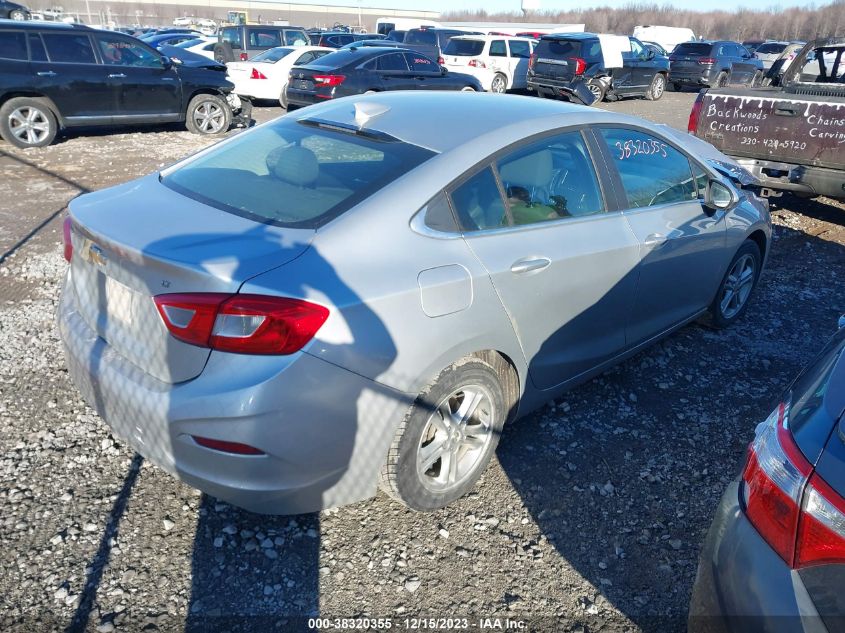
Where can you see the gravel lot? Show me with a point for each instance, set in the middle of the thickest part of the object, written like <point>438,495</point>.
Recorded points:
<point>591,520</point>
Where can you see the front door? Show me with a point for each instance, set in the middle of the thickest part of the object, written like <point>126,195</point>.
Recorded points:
<point>142,86</point>
<point>682,244</point>
<point>563,265</point>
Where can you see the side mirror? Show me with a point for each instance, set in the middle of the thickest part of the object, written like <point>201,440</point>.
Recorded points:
<point>719,196</point>
<point>166,62</point>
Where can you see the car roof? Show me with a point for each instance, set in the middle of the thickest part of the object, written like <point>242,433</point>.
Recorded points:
<point>569,36</point>
<point>487,37</point>
<point>38,25</point>
<point>417,117</point>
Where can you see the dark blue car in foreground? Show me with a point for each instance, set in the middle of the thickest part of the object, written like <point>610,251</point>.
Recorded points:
<point>774,559</point>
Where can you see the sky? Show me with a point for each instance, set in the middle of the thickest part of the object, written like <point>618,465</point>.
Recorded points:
<point>514,5</point>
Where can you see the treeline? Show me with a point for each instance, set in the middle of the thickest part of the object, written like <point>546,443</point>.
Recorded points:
<point>799,23</point>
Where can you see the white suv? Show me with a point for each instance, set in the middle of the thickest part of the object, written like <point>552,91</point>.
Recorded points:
<point>499,62</point>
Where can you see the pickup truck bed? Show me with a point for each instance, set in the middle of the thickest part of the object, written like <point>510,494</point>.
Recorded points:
<point>791,137</point>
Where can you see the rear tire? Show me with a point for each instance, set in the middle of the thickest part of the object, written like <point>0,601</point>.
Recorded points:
<point>447,438</point>
<point>678,86</point>
<point>467,89</point>
<point>499,85</point>
<point>283,97</point>
<point>734,293</point>
<point>722,79</point>
<point>18,15</point>
<point>208,115</point>
<point>757,79</point>
<point>27,122</point>
<point>657,88</point>
<point>598,90</point>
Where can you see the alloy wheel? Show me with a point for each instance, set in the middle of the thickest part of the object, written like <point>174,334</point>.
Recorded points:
<point>738,285</point>
<point>498,85</point>
<point>209,117</point>
<point>659,86</point>
<point>455,438</point>
<point>29,125</point>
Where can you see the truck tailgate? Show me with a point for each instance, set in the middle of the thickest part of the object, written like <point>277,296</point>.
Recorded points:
<point>776,126</point>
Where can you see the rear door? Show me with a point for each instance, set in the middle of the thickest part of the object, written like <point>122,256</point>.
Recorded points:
<point>498,57</point>
<point>70,74</point>
<point>142,86</point>
<point>743,66</point>
<point>519,52</point>
<point>563,263</point>
<point>682,244</point>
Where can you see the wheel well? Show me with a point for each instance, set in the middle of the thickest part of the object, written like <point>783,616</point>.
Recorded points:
<point>33,95</point>
<point>205,91</point>
<point>759,238</point>
<point>508,376</point>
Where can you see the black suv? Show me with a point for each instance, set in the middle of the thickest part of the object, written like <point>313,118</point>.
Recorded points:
<point>245,40</point>
<point>13,11</point>
<point>581,67</point>
<point>56,76</point>
<point>713,64</point>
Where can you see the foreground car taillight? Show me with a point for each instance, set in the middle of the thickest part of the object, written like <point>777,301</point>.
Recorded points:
<point>329,80</point>
<point>242,324</point>
<point>257,74</point>
<point>67,229</point>
<point>695,114</point>
<point>795,511</point>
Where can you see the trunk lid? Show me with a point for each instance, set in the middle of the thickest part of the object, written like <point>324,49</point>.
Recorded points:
<point>142,239</point>
<point>769,124</point>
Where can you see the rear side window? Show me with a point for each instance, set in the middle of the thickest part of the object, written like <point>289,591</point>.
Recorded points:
<point>652,171</point>
<point>36,48</point>
<point>264,38</point>
<point>294,174</point>
<point>68,47</point>
<point>498,48</point>
<point>13,45</point>
<point>463,48</point>
<point>692,49</point>
<point>520,49</point>
<point>392,62</point>
<point>551,179</point>
<point>478,203</point>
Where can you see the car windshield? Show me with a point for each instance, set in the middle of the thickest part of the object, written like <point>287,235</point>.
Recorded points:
<point>692,49</point>
<point>273,55</point>
<point>463,48</point>
<point>294,174</point>
<point>771,48</point>
<point>421,37</point>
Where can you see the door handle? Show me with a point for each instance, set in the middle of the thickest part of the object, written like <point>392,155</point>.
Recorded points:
<point>533,265</point>
<point>46,73</point>
<point>117,76</point>
<point>655,240</point>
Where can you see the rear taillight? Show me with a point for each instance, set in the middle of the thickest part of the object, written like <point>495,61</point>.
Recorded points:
<point>477,63</point>
<point>257,74</point>
<point>707,60</point>
<point>580,65</point>
<point>242,324</point>
<point>67,229</point>
<point>673,58</point>
<point>532,59</point>
<point>244,57</point>
<point>327,81</point>
<point>440,60</point>
<point>695,113</point>
<point>799,515</point>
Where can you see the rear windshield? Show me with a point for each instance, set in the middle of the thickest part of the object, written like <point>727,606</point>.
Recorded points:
<point>564,48</point>
<point>273,55</point>
<point>421,37</point>
<point>463,48</point>
<point>294,175</point>
<point>771,48</point>
<point>339,58</point>
<point>689,48</point>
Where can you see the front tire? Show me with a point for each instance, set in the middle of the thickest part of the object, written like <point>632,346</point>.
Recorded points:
<point>447,438</point>
<point>18,15</point>
<point>208,115</point>
<point>732,299</point>
<point>27,122</point>
<point>499,85</point>
<point>657,88</point>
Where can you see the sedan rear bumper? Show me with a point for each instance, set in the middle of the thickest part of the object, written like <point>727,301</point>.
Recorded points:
<point>324,430</point>
<point>742,585</point>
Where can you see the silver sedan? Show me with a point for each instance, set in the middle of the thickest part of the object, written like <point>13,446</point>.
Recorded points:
<point>364,292</point>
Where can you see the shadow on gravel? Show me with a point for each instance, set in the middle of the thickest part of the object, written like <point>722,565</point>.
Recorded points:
<point>622,474</point>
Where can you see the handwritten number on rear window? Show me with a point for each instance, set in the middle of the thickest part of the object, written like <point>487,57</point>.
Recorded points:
<point>640,147</point>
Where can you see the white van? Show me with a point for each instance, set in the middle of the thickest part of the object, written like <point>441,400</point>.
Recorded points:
<point>667,36</point>
<point>500,63</point>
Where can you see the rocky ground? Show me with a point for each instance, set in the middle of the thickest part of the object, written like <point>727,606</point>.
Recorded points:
<point>591,518</point>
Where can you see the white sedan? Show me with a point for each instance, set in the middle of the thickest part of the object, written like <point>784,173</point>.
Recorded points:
<point>265,76</point>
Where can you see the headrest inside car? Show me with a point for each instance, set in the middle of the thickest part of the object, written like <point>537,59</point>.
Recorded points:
<point>294,165</point>
<point>534,170</point>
